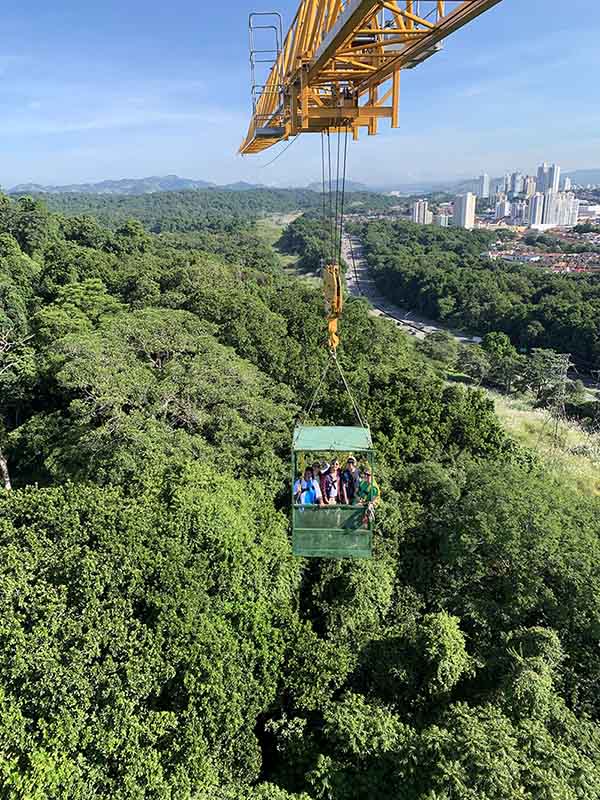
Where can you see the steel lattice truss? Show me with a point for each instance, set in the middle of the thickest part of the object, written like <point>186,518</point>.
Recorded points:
<point>340,63</point>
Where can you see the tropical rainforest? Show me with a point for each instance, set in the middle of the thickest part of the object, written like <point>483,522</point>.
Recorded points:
<point>446,275</point>
<point>158,639</point>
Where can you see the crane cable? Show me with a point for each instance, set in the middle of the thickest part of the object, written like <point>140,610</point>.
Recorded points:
<point>333,226</point>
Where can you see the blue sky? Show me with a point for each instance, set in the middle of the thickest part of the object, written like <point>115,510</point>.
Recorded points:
<point>106,90</point>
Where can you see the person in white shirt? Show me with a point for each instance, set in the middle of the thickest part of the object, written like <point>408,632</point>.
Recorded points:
<point>307,491</point>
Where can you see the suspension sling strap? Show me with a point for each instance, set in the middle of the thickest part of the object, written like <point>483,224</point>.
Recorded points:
<point>308,411</point>
<point>317,391</point>
<point>350,395</point>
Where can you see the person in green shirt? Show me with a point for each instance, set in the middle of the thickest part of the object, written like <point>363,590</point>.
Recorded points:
<point>368,494</point>
<point>368,490</point>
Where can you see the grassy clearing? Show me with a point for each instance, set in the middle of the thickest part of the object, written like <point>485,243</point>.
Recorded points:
<point>570,451</point>
<point>270,229</point>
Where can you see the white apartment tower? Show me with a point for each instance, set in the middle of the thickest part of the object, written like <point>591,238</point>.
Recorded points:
<point>484,186</point>
<point>464,211</point>
<point>529,187</point>
<point>502,209</point>
<point>548,177</point>
<point>560,209</point>
<point>551,208</point>
<point>421,213</point>
<point>516,183</point>
<point>542,177</point>
<point>536,209</point>
<point>518,212</point>
<point>554,178</point>
<point>568,209</point>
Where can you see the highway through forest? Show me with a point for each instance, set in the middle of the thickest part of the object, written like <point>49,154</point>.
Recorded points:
<point>361,284</point>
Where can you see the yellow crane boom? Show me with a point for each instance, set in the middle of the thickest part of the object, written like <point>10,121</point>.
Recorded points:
<point>332,68</point>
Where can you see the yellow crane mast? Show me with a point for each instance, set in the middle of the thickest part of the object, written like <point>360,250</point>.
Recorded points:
<point>332,68</point>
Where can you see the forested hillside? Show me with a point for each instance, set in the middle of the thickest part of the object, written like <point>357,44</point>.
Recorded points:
<point>192,210</point>
<point>443,274</point>
<point>158,639</point>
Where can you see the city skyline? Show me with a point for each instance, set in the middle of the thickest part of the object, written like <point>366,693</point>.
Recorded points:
<point>541,201</point>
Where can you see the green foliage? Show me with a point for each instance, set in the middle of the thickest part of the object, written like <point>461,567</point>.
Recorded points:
<point>141,638</point>
<point>157,640</point>
<point>445,274</point>
<point>441,346</point>
<point>474,362</point>
<point>441,646</point>
<point>310,238</point>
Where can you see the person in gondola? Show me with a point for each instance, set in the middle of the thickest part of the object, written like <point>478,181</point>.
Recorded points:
<point>323,470</point>
<point>351,480</point>
<point>307,491</point>
<point>368,495</point>
<point>318,475</point>
<point>334,486</point>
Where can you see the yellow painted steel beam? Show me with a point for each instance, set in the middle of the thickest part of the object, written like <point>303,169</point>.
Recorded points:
<point>462,15</point>
<point>338,52</point>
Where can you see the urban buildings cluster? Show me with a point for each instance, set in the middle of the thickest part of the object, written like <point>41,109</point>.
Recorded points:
<point>462,216</point>
<point>423,216</point>
<point>538,201</point>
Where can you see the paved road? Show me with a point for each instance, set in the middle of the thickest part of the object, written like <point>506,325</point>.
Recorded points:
<point>361,284</point>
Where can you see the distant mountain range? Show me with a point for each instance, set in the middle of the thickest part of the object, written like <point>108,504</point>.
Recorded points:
<point>173,183</point>
<point>350,186</point>
<point>124,186</point>
<point>166,183</point>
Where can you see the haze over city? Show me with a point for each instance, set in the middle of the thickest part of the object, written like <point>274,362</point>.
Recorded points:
<point>109,91</point>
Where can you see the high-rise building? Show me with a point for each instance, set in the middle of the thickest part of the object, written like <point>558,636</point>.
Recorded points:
<point>483,189</point>
<point>553,178</point>
<point>443,220</point>
<point>575,203</point>
<point>516,183</point>
<point>464,211</point>
<point>542,177</point>
<point>421,213</point>
<point>496,185</point>
<point>568,210</point>
<point>561,209</point>
<point>529,187</point>
<point>536,209</point>
<point>548,177</point>
<point>551,208</point>
<point>506,188</point>
<point>566,184</point>
<point>502,209</point>
<point>519,212</point>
